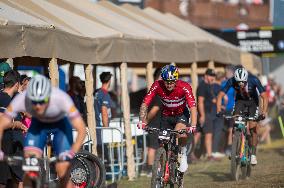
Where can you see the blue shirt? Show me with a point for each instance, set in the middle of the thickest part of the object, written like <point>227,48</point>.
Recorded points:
<point>102,98</point>
<point>231,97</point>
<point>250,92</point>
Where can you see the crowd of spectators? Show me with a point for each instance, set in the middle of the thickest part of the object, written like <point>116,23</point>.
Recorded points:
<point>217,131</point>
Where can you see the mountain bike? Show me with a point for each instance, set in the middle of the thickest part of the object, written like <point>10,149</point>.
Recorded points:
<point>241,151</point>
<point>35,175</point>
<point>165,168</point>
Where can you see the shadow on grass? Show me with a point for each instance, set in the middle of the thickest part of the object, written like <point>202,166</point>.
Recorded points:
<point>279,151</point>
<point>218,176</point>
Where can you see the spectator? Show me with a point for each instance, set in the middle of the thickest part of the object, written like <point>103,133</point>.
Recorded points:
<point>229,123</point>
<point>24,80</point>
<point>154,117</point>
<point>75,92</point>
<point>218,122</point>
<point>4,67</point>
<point>13,138</point>
<point>103,105</point>
<point>205,96</point>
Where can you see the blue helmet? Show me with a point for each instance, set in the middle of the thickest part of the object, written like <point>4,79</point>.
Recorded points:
<point>169,73</point>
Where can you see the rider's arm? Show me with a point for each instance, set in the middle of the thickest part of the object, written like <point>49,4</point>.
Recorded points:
<point>147,101</point>
<point>152,113</point>
<point>263,95</point>
<point>75,119</point>
<point>263,103</point>
<point>222,94</point>
<point>219,101</point>
<point>79,125</point>
<point>191,104</point>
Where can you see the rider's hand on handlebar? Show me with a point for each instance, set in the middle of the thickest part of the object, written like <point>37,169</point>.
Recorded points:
<point>141,125</point>
<point>66,156</point>
<point>191,129</point>
<point>1,155</point>
<point>261,117</point>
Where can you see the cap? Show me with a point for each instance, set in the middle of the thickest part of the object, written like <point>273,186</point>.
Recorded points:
<point>105,77</point>
<point>210,72</point>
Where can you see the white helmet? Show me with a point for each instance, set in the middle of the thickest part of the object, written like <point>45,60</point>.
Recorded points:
<point>241,75</point>
<point>39,88</point>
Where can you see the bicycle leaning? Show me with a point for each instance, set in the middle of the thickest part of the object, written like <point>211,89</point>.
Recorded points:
<point>165,168</point>
<point>241,151</point>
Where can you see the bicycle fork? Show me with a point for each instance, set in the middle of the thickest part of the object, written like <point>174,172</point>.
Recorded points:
<point>167,172</point>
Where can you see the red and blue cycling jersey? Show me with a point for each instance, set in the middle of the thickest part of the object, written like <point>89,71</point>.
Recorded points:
<point>173,102</point>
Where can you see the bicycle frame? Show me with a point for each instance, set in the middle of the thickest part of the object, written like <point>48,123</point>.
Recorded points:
<point>242,127</point>
<point>168,141</point>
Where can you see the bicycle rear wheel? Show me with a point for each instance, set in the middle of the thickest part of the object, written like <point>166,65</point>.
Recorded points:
<point>235,159</point>
<point>94,168</point>
<point>158,168</point>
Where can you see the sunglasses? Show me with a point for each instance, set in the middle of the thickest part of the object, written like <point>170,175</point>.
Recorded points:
<point>39,102</point>
<point>170,82</point>
<point>242,83</point>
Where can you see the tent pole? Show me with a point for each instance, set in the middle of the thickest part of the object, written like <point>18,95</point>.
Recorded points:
<point>211,65</point>
<point>95,76</point>
<point>149,74</point>
<point>53,72</point>
<point>90,106</point>
<point>194,77</point>
<point>71,70</point>
<point>126,116</point>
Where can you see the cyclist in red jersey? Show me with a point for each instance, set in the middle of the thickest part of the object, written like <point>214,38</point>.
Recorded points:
<point>176,97</point>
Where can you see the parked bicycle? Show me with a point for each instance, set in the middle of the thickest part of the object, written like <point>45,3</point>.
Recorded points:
<point>241,151</point>
<point>165,168</point>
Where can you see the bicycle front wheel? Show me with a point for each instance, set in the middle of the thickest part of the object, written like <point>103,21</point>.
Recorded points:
<point>158,168</point>
<point>235,156</point>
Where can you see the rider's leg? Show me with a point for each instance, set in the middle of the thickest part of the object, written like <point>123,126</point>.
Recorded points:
<point>254,141</point>
<point>62,142</point>
<point>62,172</point>
<point>182,142</point>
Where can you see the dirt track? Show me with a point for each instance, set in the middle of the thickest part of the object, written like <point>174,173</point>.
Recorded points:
<point>268,173</point>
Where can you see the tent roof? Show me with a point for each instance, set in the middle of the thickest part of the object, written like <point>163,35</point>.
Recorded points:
<point>102,44</point>
<point>23,34</point>
<point>164,48</point>
<point>209,47</point>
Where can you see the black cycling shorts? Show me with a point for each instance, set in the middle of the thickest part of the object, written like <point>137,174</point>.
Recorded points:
<point>246,107</point>
<point>169,122</point>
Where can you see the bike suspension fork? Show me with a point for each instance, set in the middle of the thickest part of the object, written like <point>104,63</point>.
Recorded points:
<point>242,145</point>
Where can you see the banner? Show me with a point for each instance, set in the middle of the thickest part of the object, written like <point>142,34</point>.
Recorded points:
<point>259,41</point>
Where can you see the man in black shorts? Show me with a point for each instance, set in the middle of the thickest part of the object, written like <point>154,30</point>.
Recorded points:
<point>205,98</point>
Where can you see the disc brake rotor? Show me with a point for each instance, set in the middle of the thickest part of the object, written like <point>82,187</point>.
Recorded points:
<point>78,176</point>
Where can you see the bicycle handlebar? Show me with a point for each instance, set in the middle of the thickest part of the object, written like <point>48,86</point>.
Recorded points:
<point>152,130</point>
<point>245,118</point>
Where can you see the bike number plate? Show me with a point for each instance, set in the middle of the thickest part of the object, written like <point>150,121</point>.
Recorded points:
<point>31,164</point>
<point>164,135</point>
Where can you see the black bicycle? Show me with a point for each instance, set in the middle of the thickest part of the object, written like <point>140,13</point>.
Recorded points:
<point>165,168</point>
<point>241,151</point>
